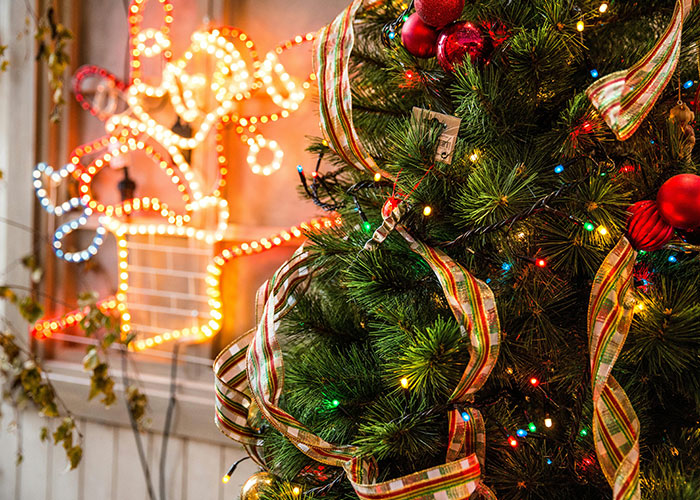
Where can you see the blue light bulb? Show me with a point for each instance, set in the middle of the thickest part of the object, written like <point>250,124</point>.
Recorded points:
<point>672,259</point>
<point>594,73</point>
<point>558,169</point>
<point>688,84</point>
<point>521,433</point>
<point>300,169</point>
<point>549,461</point>
<point>466,417</point>
<point>506,266</point>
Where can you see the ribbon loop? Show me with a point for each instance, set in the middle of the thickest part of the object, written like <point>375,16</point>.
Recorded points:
<point>625,98</point>
<point>332,50</point>
<point>615,425</point>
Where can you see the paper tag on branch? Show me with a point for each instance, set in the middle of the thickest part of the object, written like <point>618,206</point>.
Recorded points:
<point>448,138</point>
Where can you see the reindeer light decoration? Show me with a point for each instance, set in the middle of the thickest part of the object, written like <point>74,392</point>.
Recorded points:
<point>138,117</point>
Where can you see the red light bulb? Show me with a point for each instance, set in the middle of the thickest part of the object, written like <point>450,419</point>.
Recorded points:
<point>512,441</point>
<point>541,263</point>
<point>534,381</point>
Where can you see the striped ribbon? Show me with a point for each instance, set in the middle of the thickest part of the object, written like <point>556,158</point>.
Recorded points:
<point>624,98</point>
<point>332,50</point>
<point>473,306</point>
<point>615,424</point>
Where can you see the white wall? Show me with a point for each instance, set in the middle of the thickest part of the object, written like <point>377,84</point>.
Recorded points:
<point>110,468</point>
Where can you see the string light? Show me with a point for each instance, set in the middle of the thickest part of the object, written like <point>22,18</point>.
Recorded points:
<point>377,177</point>
<point>580,26</point>
<point>335,403</point>
<point>688,84</point>
<point>559,169</point>
<point>427,211</point>
<point>466,416</point>
<point>534,382</point>
<point>639,307</point>
<point>541,263</point>
<point>602,230</point>
<point>512,442</point>
<point>46,327</point>
<point>548,422</point>
<point>521,433</point>
<point>594,73</point>
<point>296,491</point>
<point>672,259</point>
<point>366,226</point>
<point>588,226</point>
<point>506,266</point>
<point>474,157</point>
<point>404,383</point>
<point>532,427</point>
<point>583,432</point>
<point>603,7</point>
<point>226,479</point>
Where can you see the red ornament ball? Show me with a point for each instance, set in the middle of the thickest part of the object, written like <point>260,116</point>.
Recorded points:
<point>646,230</point>
<point>459,40</point>
<point>389,205</point>
<point>439,13</point>
<point>679,201</point>
<point>419,38</point>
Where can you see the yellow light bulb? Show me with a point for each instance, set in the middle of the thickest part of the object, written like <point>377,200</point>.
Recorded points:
<point>603,7</point>
<point>427,210</point>
<point>226,479</point>
<point>580,26</point>
<point>547,422</point>
<point>474,157</point>
<point>377,177</point>
<point>602,230</point>
<point>404,383</point>
<point>296,490</point>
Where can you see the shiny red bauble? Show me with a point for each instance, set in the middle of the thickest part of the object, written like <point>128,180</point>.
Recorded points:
<point>679,201</point>
<point>439,13</point>
<point>646,230</point>
<point>419,38</point>
<point>389,206</point>
<point>459,40</point>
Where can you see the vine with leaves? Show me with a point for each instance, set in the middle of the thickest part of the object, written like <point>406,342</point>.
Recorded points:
<point>25,380</point>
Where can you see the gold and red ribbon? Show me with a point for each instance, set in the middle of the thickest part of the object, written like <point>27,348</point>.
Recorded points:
<point>624,98</point>
<point>615,424</point>
<point>332,50</point>
<point>473,306</point>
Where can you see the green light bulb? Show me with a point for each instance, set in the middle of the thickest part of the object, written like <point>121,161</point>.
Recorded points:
<point>366,226</point>
<point>335,403</point>
<point>532,427</point>
<point>584,432</point>
<point>588,226</point>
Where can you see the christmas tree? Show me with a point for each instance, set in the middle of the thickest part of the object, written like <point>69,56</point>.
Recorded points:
<point>510,308</point>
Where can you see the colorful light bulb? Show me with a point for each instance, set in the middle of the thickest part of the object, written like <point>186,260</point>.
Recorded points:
<point>532,427</point>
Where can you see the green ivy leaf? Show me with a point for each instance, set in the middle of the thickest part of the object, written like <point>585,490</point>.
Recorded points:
<point>74,454</point>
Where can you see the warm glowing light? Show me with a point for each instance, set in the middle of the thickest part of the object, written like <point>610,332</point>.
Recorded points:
<point>534,381</point>
<point>603,7</point>
<point>226,479</point>
<point>602,230</point>
<point>427,211</point>
<point>377,177</point>
<point>474,157</point>
<point>512,441</point>
<point>296,491</point>
<point>548,422</point>
<point>404,383</point>
<point>541,263</point>
<point>580,26</point>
